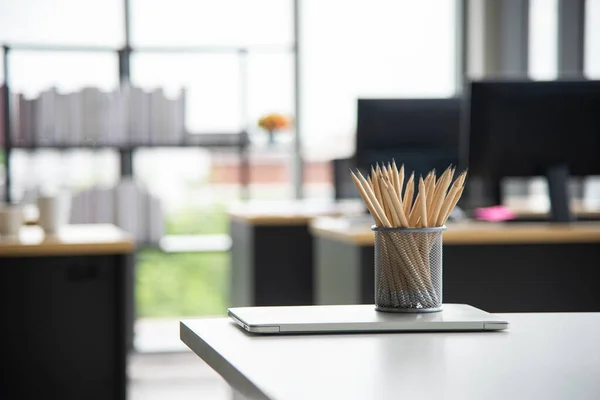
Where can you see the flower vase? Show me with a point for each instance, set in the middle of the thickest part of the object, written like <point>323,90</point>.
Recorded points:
<point>271,134</point>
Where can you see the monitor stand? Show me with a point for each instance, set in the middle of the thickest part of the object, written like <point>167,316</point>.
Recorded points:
<point>558,191</point>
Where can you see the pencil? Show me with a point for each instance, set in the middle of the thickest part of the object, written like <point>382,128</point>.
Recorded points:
<point>445,209</point>
<point>423,204</point>
<point>400,180</point>
<point>398,206</point>
<point>376,206</point>
<point>430,183</point>
<point>414,215</point>
<point>453,204</point>
<point>393,212</point>
<point>366,200</point>
<point>409,194</point>
<point>440,194</point>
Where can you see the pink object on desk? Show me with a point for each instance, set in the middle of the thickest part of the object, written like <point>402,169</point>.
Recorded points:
<point>494,214</point>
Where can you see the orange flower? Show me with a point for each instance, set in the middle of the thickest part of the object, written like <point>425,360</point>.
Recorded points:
<point>272,122</point>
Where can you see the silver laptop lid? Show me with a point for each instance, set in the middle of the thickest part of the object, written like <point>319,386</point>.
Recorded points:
<point>361,318</point>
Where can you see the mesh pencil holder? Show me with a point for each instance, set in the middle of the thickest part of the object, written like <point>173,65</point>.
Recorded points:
<point>408,269</point>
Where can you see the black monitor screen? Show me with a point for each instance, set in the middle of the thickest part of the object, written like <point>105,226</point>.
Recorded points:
<point>407,123</point>
<point>520,129</point>
<point>421,133</point>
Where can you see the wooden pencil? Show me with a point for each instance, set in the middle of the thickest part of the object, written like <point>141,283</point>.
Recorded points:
<point>393,172</point>
<point>453,204</point>
<point>414,215</point>
<point>440,195</point>
<point>377,191</point>
<point>371,177</point>
<point>423,205</point>
<point>462,178</point>
<point>398,276</point>
<point>368,190</point>
<point>377,182</point>
<point>445,209</point>
<point>366,200</point>
<point>461,181</point>
<point>399,179</point>
<point>376,206</point>
<point>395,218</point>
<point>413,269</point>
<point>397,202</point>
<point>409,194</point>
<point>430,183</point>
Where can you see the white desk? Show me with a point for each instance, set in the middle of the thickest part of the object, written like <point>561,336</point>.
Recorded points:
<point>541,356</point>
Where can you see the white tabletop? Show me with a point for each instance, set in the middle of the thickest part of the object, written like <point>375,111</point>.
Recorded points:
<point>541,356</point>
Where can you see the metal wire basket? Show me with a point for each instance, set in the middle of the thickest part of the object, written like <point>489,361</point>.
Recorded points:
<point>408,269</point>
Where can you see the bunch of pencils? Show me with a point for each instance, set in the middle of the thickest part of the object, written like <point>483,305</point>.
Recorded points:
<point>394,206</point>
<point>408,263</point>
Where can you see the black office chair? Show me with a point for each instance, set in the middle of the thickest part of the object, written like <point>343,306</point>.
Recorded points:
<point>342,182</point>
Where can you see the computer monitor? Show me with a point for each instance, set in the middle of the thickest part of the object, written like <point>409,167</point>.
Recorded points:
<point>525,129</point>
<point>423,134</point>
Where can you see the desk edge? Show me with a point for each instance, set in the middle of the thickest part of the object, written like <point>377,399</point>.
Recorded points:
<point>71,249</point>
<point>217,362</point>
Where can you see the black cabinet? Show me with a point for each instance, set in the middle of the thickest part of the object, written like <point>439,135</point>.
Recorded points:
<point>65,326</point>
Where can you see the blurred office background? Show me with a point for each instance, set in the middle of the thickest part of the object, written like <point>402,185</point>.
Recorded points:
<point>237,61</point>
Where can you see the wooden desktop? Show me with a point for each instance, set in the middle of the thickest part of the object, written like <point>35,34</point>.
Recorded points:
<point>72,240</point>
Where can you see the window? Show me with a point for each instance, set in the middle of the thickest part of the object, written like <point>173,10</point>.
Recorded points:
<point>64,22</point>
<point>240,68</point>
<point>369,48</point>
<point>35,71</point>
<point>2,66</point>
<point>270,85</point>
<point>38,23</point>
<point>212,82</point>
<point>211,23</point>
<point>47,170</point>
<point>32,72</point>
<point>592,39</point>
<point>543,34</point>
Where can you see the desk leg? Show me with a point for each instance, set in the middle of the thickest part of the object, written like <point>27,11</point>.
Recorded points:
<point>343,273</point>
<point>241,284</point>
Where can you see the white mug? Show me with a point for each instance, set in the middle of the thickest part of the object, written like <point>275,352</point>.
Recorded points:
<point>11,219</point>
<point>54,212</point>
